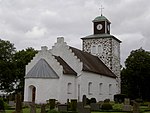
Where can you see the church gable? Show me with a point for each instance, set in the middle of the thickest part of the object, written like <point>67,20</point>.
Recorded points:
<point>42,70</point>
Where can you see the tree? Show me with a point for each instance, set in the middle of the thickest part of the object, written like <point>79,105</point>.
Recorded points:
<point>21,59</point>
<point>12,66</point>
<point>136,75</point>
<point>7,51</point>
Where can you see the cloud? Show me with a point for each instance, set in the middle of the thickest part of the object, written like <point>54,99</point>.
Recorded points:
<point>36,32</point>
<point>32,23</point>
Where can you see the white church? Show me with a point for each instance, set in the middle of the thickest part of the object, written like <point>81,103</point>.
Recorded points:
<point>65,72</point>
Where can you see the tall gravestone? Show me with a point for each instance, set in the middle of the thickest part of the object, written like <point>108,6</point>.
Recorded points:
<point>43,108</point>
<point>84,100</point>
<point>136,107</point>
<point>127,106</point>
<point>32,107</point>
<point>18,99</point>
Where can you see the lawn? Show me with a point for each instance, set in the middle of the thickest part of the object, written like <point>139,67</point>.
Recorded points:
<point>26,110</point>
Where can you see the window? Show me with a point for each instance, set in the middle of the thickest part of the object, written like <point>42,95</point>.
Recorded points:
<point>69,89</point>
<point>100,49</point>
<point>110,89</point>
<point>90,88</point>
<point>100,88</point>
<point>93,49</point>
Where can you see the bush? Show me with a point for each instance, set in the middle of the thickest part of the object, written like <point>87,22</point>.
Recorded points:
<point>87,101</point>
<point>106,100</point>
<point>2,104</point>
<point>118,107</point>
<point>119,98</point>
<point>73,105</point>
<point>106,106</point>
<point>52,103</point>
<point>93,100</point>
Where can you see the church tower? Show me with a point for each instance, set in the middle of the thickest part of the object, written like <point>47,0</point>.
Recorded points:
<point>104,45</point>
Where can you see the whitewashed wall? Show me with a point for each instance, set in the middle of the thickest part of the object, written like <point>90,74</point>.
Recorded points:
<point>45,89</point>
<point>96,79</point>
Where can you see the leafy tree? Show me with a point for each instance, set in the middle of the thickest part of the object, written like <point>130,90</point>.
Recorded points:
<point>136,75</point>
<point>7,51</point>
<point>12,66</point>
<point>21,59</point>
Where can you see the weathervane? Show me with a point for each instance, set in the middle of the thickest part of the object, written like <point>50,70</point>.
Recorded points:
<point>101,9</point>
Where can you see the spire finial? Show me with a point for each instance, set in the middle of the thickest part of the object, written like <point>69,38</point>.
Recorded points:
<point>101,9</point>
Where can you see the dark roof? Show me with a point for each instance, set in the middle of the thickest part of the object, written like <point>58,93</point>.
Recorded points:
<point>92,63</point>
<point>42,70</point>
<point>66,68</point>
<point>100,18</point>
<point>100,36</point>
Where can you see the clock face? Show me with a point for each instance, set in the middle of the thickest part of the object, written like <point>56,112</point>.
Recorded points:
<point>99,26</point>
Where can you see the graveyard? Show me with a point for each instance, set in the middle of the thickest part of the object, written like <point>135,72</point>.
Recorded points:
<point>73,106</point>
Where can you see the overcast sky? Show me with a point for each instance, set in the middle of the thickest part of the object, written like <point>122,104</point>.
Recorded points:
<point>34,23</point>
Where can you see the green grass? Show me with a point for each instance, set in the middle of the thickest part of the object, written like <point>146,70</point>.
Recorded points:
<point>26,110</point>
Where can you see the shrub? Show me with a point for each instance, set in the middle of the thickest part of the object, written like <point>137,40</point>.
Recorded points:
<point>52,103</point>
<point>93,100</point>
<point>106,106</point>
<point>73,105</point>
<point>106,100</point>
<point>87,101</point>
<point>119,98</point>
<point>118,107</point>
<point>2,104</point>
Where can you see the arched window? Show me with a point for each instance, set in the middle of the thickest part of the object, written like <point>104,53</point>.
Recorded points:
<point>100,49</point>
<point>93,49</point>
<point>100,88</point>
<point>69,89</point>
<point>110,89</point>
<point>90,88</point>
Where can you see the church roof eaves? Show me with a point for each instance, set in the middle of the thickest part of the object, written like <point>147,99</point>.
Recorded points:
<point>100,36</point>
<point>92,63</point>
<point>66,68</point>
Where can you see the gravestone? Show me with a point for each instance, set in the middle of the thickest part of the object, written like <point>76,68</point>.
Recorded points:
<point>32,107</point>
<point>43,108</point>
<point>80,107</point>
<point>95,106</point>
<point>11,103</point>
<point>18,99</point>
<point>87,109</point>
<point>127,106</point>
<point>62,107</point>
<point>84,100</point>
<point>73,104</point>
<point>136,107</point>
<point>83,109</point>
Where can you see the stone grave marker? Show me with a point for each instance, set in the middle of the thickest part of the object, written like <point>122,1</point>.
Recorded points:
<point>18,99</point>
<point>32,107</point>
<point>136,107</point>
<point>83,109</point>
<point>62,107</point>
<point>127,106</point>
<point>43,108</point>
<point>95,106</point>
